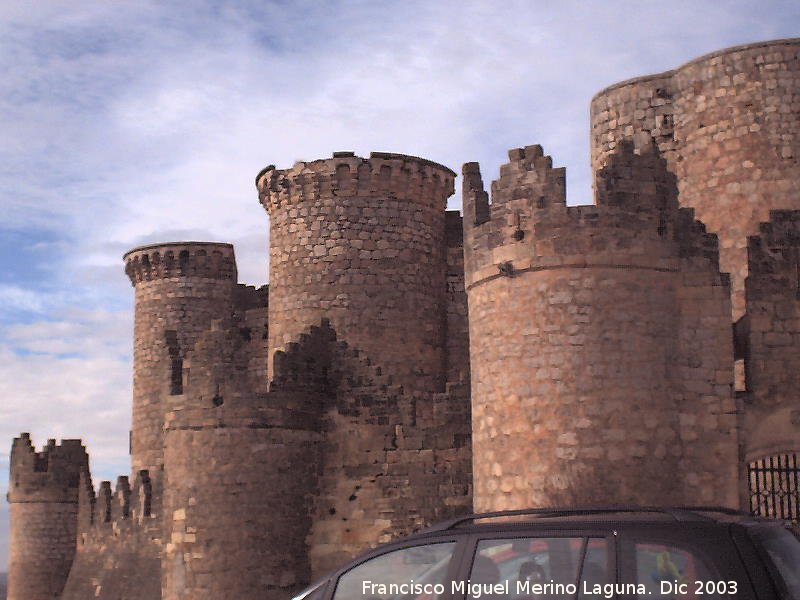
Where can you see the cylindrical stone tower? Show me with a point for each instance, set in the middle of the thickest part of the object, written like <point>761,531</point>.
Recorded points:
<point>589,383</point>
<point>362,242</point>
<point>240,472</point>
<point>43,494</point>
<point>180,288</point>
<point>728,125</point>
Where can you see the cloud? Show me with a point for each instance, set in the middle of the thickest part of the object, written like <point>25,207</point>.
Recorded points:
<point>68,378</point>
<point>15,298</point>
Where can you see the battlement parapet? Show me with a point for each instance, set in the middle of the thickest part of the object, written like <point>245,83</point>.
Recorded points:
<point>529,177</point>
<point>248,297</point>
<point>50,475</point>
<point>395,176</point>
<point>636,222</point>
<point>205,260</point>
<point>108,511</point>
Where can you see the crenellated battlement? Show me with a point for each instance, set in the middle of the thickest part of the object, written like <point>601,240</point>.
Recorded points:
<point>206,260</point>
<point>636,221</point>
<point>529,177</point>
<point>105,511</point>
<point>49,475</point>
<point>248,297</point>
<point>403,356</point>
<point>393,176</point>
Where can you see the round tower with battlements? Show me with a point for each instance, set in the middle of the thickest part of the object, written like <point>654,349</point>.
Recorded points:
<point>362,242</point>
<point>240,473</point>
<point>180,288</point>
<point>599,339</point>
<point>43,494</point>
<point>728,125</point>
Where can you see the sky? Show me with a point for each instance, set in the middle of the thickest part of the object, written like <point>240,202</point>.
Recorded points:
<point>123,123</point>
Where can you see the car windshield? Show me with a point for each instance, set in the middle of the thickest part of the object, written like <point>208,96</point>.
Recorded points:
<point>781,548</point>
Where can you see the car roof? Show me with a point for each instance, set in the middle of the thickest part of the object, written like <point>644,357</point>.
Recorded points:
<point>592,517</point>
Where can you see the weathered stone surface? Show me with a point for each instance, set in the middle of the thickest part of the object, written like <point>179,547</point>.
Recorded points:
<point>43,493</point>
<point>770,332</point>
<point>600,340</point>
<point>728,125</point>
<point>361,242</point>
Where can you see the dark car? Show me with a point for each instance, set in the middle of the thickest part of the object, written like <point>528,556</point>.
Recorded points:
<point>677,553</point>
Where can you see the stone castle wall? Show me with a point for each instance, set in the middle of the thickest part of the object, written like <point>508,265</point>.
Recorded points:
<point>622,331</point>
<point>322,447</point>
<point>43,493</point>
<point>728,125</point>
<point>362,243</point>
<point>118,543</point>
<point>770,333</point>
<point>179,289</point>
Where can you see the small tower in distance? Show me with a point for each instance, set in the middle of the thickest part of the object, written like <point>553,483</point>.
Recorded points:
<point>180,288</point>
<point>43,494</point>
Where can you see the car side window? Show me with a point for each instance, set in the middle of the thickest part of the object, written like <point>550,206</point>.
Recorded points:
<point>533,568</point>
<point>668,571</point>
<point>415,573</point>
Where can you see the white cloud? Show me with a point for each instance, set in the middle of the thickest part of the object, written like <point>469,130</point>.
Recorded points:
<point>13,297</point>
<point>68,378</point>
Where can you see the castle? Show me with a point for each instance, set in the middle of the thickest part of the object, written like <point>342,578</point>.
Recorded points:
<point>405,366</point>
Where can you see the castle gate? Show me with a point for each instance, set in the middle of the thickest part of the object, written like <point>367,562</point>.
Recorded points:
<point>775,486</point>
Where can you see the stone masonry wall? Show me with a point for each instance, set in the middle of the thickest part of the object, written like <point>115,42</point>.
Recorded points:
<point>391,462</point>
<point>180,288</point>
<point>119,542</point>
<point>728,125</point>
<point>43,493</point>
<point>240,473</point>
<point>772,338</point>
<point>457,326</point>
<point>582,392</point>
<point>362,243</point>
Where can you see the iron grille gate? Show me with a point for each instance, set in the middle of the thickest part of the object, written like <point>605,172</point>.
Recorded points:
<point>775,486</point>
